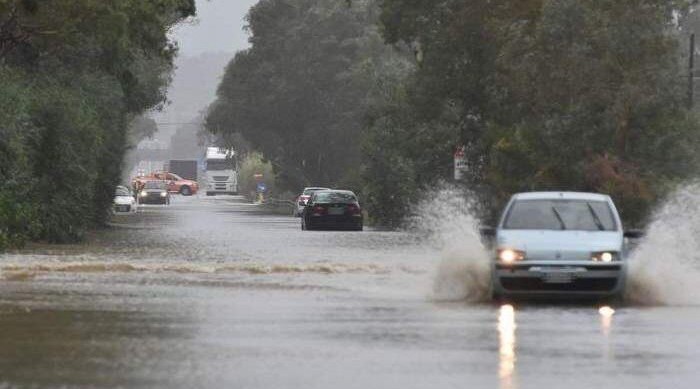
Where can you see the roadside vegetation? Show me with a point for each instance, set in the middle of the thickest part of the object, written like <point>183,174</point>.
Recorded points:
<point>73,75</point>
<point>545,95</point>
<point>370,95</point>
<point>252,164</point>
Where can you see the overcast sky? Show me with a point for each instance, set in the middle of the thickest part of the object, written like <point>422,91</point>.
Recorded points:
<point>206,45</point>
<point>218,27</point>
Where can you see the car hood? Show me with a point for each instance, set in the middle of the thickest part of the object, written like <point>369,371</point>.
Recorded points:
<point>123,200</point>
<point>560,245</point>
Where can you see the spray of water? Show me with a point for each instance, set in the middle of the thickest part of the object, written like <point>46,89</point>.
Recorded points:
<point>664,268</point>
<point>462,273</point>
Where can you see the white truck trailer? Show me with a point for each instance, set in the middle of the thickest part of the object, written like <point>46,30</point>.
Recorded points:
<point>221,171</point>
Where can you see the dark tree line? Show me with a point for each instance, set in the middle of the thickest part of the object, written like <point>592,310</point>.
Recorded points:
<point>545,95</point>
<point>73,75</point>
<point>553,95</point>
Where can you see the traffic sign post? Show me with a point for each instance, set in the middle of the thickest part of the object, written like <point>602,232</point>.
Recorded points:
<point>460,161</point>
<point>261,189</point>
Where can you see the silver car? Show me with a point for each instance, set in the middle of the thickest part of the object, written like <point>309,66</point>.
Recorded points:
<point>304,197</point>
<point>555,244</point>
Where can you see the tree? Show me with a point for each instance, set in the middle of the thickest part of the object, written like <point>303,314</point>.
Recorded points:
<point>549,95</point>
<point>300,93</point>
<point>79,70</point>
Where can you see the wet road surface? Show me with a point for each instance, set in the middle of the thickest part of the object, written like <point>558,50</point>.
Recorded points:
<point>212,293</point>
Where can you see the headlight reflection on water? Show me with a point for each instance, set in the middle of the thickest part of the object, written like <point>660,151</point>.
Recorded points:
<point>606,315</point>
<point>506,351</point>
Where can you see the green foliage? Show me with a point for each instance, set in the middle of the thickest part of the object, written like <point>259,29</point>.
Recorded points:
<point>253,164</point>
<point>300,93</point>
<point>546,95</point>
<point>72,74</point>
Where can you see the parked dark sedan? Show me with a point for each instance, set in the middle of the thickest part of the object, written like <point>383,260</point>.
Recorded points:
<point>332,209</point>
<point>154,192</point>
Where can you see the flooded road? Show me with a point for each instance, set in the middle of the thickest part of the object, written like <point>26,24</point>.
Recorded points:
<point>212,293</point>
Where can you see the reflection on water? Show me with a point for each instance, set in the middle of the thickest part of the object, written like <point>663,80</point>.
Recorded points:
<point>606,315</point>
<point>506,337</point>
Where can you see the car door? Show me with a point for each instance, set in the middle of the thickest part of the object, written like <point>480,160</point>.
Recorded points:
<point>171,181</point>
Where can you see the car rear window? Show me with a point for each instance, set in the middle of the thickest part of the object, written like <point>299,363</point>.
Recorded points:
<point>122,192</point>
<point>310,191</point>
<point>579,215</point>
<point>334,197</point>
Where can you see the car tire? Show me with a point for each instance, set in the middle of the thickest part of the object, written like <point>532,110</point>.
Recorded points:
<point>186,191</point>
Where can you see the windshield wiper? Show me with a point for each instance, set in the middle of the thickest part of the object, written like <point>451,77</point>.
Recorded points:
<point>558,215</point>
<point>596,219</point>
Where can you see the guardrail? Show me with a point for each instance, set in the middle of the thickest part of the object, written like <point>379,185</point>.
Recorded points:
<point>286,207</point>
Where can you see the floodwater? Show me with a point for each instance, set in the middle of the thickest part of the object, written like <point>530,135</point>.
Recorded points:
<point>212,293</point>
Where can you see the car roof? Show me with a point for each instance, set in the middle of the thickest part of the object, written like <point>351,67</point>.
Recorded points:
<point>316,188</point>
<point>561,196</point>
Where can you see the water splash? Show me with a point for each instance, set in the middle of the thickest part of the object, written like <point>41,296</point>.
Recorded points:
<point>18,272</point>
<point>664,268</point>
<point>463,272</point>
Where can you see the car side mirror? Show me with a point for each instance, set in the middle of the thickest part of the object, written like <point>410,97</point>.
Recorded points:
<point>487,232</point>
<point>634,234</point>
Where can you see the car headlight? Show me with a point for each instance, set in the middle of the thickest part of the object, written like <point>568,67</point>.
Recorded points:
<point>163,194</point>
<point>605,256</point>
<point>143,194</point>
<point>510,256</point>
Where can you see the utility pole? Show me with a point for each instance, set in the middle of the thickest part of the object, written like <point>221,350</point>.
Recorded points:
<point>691,71</point>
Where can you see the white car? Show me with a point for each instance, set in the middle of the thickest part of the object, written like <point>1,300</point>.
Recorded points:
<point>559,244</point>
<point>124,201</point>
<point>304,198</point>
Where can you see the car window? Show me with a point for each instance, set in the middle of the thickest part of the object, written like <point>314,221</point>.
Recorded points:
<point>175,177</point>
<point>327,197</point>
<point>154,185</point>
<point>122,192</point>
<point>309,191</point>
<point>577,215</point>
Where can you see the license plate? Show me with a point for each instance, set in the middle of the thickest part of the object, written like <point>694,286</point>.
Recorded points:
<point>558,277</point>
<point>336,211</point>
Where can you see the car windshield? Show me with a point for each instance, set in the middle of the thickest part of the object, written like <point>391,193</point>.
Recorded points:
<point>154,185</point>
<point>122,192</point>
<point>221,164</point>
<point>309,191</point>
<point>580,215</point>
<point>334,197</point>
<point>175,177</point>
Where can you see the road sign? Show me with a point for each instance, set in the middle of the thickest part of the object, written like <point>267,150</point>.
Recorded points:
<point>460,162</point>
<point>261,188</point>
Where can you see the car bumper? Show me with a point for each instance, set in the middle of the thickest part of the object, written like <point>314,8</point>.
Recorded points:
<point>153,200</point>
<point>558,279</point>
<point>124,208</point>
<point>335,222</point>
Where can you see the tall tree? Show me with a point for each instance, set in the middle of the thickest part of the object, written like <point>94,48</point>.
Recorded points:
<point>576,95</point>
<point>80,69</point>
<point>300,93</point>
